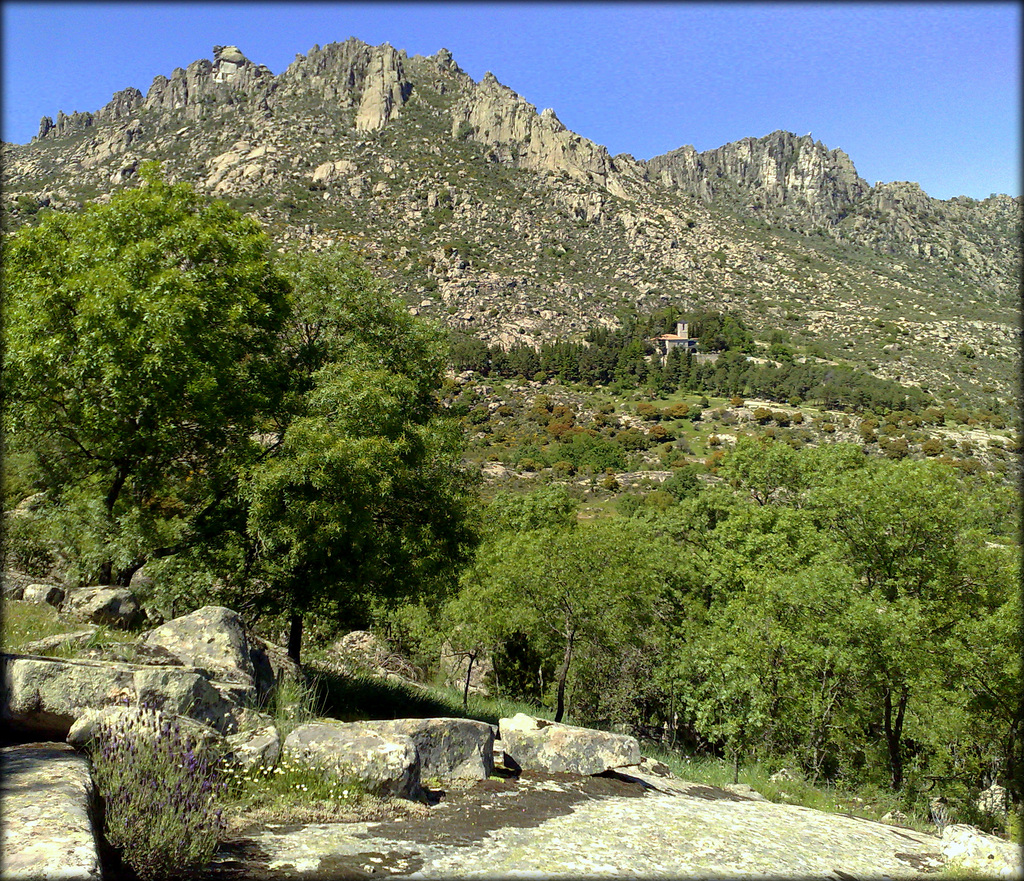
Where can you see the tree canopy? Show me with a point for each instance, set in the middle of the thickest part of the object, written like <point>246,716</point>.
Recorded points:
<point>141,342</point>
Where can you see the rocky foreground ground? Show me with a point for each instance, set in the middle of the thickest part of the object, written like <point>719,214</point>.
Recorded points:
<point>455,798</point>
<point>636,824</point>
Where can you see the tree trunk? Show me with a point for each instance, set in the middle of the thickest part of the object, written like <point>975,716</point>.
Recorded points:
<point>893,735</point>
<point>295,636</point>
<point>106,572</point>
<point>563,674</point>
<point>469,672</point>
<point>107,569</point>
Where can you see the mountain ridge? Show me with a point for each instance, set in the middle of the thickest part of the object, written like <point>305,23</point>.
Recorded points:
<point>496,219</point>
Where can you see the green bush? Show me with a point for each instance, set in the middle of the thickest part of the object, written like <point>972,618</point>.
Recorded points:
<point>160,795</point>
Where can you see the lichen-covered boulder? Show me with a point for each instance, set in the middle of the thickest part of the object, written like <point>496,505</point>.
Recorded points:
<point>213,638</point>
<point>446,747</point>
<point>261,746</point>
<point>47,695</point>
<point>48,594</point>
<point>972,852</point>
<point>384,764</point>
<point>47,797</point>
<point>539,745</point>
<point>111,606</point>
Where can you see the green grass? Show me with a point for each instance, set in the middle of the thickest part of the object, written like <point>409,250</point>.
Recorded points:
<point>866,802</point>
<point>361,696</point>
<point>286,787</point>
<point>26,622</point>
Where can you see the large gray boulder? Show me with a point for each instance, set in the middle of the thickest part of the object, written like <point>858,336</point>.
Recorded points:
<point>972,853</point>
<point>212,638</point>
<point>48,594</point>
<point>48,830</point>
<point>110,606</point>
<point>47,695</point>
<point>446,747</point>
<point>539,745</point>
<point>384,764</point>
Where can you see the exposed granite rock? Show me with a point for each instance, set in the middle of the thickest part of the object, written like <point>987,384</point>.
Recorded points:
<point>384,764</point>
<point>384,91</point>
<point>213,638</point>
<point>46,594</point>
<point>539,745</point>
<point>446,747</point>
<point>110,606</point>
<point>47,695</point>
<point>48,800</point>
<point>780,169</point>
<point>971,851</point>
<point>496,116</point>
<point>261,746</point>
<point>558,826</point>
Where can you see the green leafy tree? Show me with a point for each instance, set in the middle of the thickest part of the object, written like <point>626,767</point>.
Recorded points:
<point>906,528</point>
<point>364,495</point>
<point>569,590</point>
<point>141,353</point>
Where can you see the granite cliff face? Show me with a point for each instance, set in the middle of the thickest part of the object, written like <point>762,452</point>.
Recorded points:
<point>496,220</point>
<point>798,175</point>
<point>799,182</point>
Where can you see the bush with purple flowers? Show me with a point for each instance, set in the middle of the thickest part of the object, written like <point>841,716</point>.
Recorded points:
<point>160,792</point>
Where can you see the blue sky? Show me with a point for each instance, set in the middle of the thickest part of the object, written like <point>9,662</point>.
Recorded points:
<point>928,92</point>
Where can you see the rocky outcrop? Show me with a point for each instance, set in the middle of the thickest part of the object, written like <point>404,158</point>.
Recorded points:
<point>495,115</point>
<point>48,799</point>
<point>369,79</point>
<point>971,852</point>
<point>46,594</point>
<point>212,638</point>
<point>385,90</point>
<point>798,181</point>
<point>204,83</point>
<point>259,747</point>
<point>46,696</point>
<point>446,747</point>
<point>780,170</point>
<point>533,744</point>
<point>384,764</point>
<point>109,606</point>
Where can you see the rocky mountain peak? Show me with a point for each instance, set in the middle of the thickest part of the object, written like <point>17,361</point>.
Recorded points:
<point>371,79</point>
<point>781,170</point>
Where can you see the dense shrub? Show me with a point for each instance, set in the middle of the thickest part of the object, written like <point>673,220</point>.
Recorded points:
<point>160,792</point>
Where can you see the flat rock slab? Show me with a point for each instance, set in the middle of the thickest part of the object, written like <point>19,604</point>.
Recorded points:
<point>47,800</point>
<point>557,826</point>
